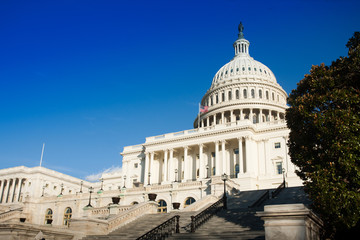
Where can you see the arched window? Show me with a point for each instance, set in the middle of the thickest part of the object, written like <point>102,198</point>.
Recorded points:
<point>252,93</point>
<point>162,206</point>
<point>237,94</point>
<point>223,97</point>
<point>267,95</point>
<point>67,216</point>
<point>48,216</point>
<point>211,101</point>
<point>189,201</point>
<point>245,93</point>
<point>273,96</point>
<point>260,93</point>
<point>217,98</point>
<point>229,96</point>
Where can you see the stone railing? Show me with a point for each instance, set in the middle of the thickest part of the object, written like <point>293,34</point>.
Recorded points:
<point>14,213</point>
<point>105,211</point>
<point>198,205</point>
<point>189,184</point>
<point>94,226</point>
<point>131,215</point>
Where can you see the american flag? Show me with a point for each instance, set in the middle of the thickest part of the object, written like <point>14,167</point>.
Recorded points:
<point>204,109</point>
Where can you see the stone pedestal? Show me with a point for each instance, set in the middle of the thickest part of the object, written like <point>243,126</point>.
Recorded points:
<point>290,222</point>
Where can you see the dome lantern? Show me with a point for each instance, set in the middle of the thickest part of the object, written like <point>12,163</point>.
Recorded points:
<point>241,45</point>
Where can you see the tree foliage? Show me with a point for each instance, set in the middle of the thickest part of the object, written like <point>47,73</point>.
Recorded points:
<point>324,141</point>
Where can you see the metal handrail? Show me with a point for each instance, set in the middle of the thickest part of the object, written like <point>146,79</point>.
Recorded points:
<point>278,190</point>
<point>205,215</point>
<point>164,230</point>
<point>261,199</point>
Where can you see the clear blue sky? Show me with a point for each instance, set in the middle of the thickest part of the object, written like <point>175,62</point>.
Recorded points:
<point>90,77</point>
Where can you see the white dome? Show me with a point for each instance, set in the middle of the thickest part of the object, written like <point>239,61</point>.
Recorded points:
<point>243,67</point>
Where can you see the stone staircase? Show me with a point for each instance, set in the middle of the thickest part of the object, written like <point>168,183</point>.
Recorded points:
<point>142,225</point>
<point>237,222</point>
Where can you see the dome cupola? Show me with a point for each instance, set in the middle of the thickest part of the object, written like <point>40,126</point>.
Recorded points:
<point>242,89</point>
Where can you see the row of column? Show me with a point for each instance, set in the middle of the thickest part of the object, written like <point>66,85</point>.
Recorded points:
<point>10,190</point>
<point>170,172</point>
<point>259,117</point>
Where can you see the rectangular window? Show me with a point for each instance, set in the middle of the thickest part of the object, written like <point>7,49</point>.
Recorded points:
<point>279,167</point>
<point>277,145</point>
<point>136,165</point>
<point>236,151</point>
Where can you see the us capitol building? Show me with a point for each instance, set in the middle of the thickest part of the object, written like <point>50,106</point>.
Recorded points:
<point>240,131</point>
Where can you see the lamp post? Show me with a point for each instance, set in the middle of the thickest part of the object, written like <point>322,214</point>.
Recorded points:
<point>43,189</point>
<point>62,188</point>
<point>224,177</point>
<point>283,172</point>
<point>176,171</point>
<point>102,183</point>
<point>207,171</point>
<point>81,185</point>
<point>90,191</point>
<point>124,181</point>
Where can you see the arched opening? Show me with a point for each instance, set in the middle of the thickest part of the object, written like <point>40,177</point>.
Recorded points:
<point>134,203</point>
<point>48,216</point>
<point>252,93</point>
<point>189,201</point>
<point>162,206</point>
<point>67,216</point>
<point>260,93</point>
<point>237,94</point>
<point>245,93</point>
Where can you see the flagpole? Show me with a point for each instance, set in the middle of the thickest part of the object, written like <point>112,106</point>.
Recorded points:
<point>42,153</point>
<point>199,117</point>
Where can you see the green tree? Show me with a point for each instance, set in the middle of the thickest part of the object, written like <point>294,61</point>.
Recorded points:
<point>324,141</point>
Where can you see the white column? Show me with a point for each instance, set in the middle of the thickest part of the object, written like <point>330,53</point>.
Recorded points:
<point>19,189</point>
<point>241,115</point>
<point>241,161</point>
<point>232,116</point>
<point>186,163</point>
<point>7,191</point>
<point>260,116</point>
<point>223,118</point>
<point>171,173</point>
<point>1,190</point>
<point>13,191</point>
<point>165,166</point>
<point>146,171</point>
<point>224,160</point>
<point>151,167</point>
<point>201,162</point>
<point>208,121</point>
<point>217,159</point>
<point>251,115</point>
<point>247,153</point>
<point>278,115</point>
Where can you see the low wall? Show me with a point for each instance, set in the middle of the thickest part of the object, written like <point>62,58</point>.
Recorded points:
<point>290,222</point>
